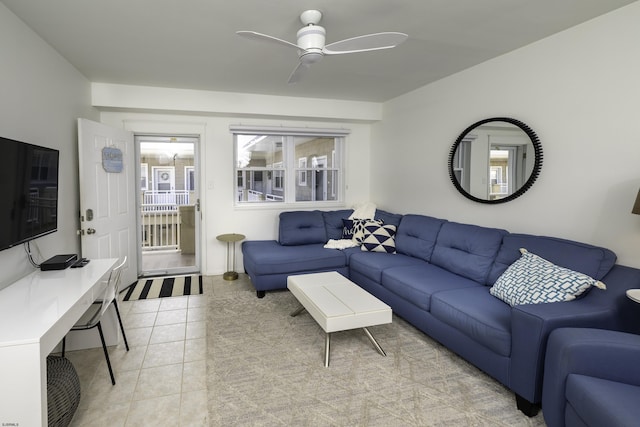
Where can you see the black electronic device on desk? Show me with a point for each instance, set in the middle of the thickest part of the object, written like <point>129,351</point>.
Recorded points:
<point>80,263</point>
<point>58,262</point>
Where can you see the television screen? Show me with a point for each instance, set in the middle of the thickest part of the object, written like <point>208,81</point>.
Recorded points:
<point>29,205</point>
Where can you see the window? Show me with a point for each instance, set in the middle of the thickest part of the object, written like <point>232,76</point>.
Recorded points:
<point>189,178</point>
<point>144,176</point>
<point>499,161</point>
<point>278,177</point>
<point>302,166</point>
<point>290,166</point>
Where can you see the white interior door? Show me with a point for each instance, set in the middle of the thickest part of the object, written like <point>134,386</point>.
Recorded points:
<point>107,195</point>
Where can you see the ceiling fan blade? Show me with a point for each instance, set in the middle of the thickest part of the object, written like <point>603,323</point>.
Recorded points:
<point>298,72</point>
<point>366,43</point>
<point>264,37</point>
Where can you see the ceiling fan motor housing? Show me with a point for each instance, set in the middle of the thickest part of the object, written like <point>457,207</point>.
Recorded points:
<point>311,40</point>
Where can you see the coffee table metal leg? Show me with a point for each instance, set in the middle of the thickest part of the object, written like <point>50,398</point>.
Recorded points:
<point>374,342</point>
<point>327,345</point>
<point>297,311</point>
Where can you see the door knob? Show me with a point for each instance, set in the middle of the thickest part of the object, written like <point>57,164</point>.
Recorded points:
<point>90,231</point>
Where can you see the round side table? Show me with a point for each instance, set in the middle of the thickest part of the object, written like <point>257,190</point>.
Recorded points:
<point>231,239</point>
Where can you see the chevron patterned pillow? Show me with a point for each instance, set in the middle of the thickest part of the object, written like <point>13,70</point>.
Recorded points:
<point>379,238</point>
<point>534,280</point>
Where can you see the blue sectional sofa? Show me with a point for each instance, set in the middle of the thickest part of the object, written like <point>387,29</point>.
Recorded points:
<point>439,280</point>
<point>592,378</point>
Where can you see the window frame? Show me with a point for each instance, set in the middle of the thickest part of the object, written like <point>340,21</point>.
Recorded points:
<point>292,166</point>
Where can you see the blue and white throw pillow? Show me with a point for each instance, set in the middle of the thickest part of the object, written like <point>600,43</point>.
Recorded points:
<point>379,238</point>
<point>354,228</point>
<point>534,280</point>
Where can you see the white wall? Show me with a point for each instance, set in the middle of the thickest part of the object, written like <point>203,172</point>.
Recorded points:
<point>578,90</point>
<point>42,95</point>
<point>220,216</point>
<point>231,104</point>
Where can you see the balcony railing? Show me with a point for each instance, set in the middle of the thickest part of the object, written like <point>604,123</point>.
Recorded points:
<point>161,219</point>
<point>499,189</point>
<point>159,200</point>
<point>257,196</point>
<point>160,229</point>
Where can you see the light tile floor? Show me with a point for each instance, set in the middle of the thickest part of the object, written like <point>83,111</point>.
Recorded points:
<point>161,380</point>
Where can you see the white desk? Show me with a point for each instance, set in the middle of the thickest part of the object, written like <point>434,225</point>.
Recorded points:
<point>36,312</point>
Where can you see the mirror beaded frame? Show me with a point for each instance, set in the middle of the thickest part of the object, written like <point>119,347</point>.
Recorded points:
<point>537,148</point>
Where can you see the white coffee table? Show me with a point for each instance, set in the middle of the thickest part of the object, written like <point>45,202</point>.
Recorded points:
<point>338,304</point>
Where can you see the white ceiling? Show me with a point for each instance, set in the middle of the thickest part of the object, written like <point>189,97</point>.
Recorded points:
<point>192,43</point>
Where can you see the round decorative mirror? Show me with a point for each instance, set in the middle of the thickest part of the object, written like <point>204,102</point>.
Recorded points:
<point>495,160</point>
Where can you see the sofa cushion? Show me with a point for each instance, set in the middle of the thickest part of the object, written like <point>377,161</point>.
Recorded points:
<point>379,238</point>
<point>269,257</point>
<point>587,259</point>
<point>467,250</point>
<point>417,283</point>
<point>417,234</point>
<point>333,222</point>
<point>534,280</point>
<point>372,264</point>
<point>388,217</point>
<point>477,314</point>
<point>600,402</point>
<point>302,228</point>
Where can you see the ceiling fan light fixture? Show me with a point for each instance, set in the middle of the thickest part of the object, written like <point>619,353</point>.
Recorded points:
<point>311,56</point>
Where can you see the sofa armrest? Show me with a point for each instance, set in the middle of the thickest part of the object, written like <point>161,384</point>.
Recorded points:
<point>530,328</point>
<point>605,354</point>
<point>532,324</point>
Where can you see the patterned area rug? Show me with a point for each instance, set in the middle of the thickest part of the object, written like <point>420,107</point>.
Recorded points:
<point>265,368</point>
<point>160,287</point>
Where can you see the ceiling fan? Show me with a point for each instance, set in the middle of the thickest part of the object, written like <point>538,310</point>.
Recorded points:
<point>311,39</point>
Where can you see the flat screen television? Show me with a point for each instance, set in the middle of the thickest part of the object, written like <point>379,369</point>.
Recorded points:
<point>29,192</point>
